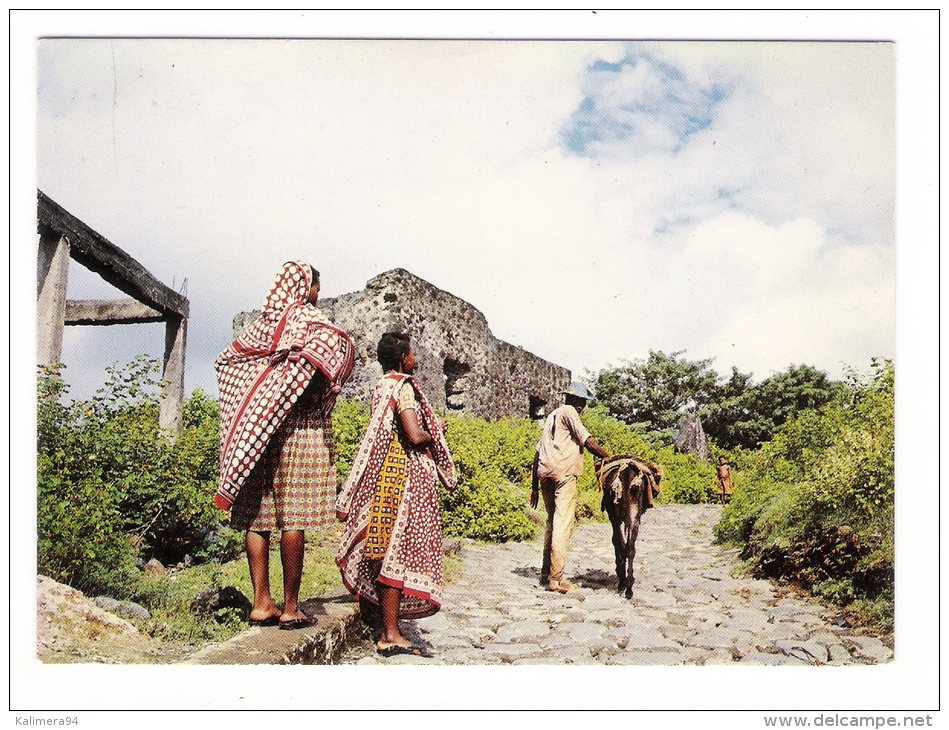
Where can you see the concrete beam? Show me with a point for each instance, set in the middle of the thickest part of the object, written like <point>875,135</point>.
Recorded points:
<point>115,311</point>
<point>173,376</point>
<point>63,236</point>
<point>97,254</point>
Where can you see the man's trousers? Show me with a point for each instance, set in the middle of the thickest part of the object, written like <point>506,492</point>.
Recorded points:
<point>560,501</point>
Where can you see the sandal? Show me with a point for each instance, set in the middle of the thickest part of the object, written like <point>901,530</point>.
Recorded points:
<point>269,621</point>
<point>296,623</point>
<point>391,650</point>
<point>561,586</point>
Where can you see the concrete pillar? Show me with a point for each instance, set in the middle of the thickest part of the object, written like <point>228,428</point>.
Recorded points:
<point>52,267</point>
<point>173,376</point>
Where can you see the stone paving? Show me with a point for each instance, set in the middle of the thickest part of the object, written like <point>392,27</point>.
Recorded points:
<point>687,608</point>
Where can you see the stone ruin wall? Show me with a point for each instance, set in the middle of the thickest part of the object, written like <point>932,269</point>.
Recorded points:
<point>462,367</point>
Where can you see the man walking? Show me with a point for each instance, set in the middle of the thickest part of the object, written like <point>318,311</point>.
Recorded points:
<point>558,463</point>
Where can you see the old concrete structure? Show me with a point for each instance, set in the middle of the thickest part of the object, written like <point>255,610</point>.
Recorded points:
<point>62,237</point>
<point>462,366</point>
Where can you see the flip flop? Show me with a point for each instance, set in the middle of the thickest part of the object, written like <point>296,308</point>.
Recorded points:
<point>296,623</point>
<point>396,649</point>
<point>269,621</point>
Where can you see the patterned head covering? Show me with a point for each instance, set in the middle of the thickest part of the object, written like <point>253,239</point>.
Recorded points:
<point>268,367</point>
<point>291,287</point>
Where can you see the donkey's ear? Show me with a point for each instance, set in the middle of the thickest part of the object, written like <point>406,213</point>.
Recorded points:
<point>656,472</point>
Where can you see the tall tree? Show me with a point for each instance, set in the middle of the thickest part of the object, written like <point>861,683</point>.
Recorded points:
<point>656,391</point>
<point>756,414</point>
<point>747,415</point>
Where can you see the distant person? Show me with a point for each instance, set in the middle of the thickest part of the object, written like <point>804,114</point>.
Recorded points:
<point>558,463</point>
<point>391,552</point>
<point>278,384</point>
<point>723,480</point>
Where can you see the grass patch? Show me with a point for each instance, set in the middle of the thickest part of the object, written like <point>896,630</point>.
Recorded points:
<point>168,597</point>
<point>452,567</point>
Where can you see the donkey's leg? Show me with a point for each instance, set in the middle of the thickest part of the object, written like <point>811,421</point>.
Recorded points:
<point>631,536</point>
<point>619,551</point>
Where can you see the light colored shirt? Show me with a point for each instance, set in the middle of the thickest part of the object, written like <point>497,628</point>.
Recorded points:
<point>560,449</point>
<point>405,400</point>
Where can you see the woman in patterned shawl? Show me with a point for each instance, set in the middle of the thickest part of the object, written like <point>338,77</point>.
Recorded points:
<point>278,383</point>
<point>391,552</point>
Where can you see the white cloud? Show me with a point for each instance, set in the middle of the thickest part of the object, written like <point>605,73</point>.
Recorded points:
<point>783,295</point>
<point>218,160</point>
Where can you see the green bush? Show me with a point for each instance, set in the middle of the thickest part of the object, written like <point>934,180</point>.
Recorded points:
<point>80,540</point>
<point>350,419</point>
<point>815,505</point>
<point>493,462</point>
<point>686,478</point>
<point>112,488</point>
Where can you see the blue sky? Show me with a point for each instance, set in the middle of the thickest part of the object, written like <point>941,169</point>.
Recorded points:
<point>641,103</point>
<point>595,199</point>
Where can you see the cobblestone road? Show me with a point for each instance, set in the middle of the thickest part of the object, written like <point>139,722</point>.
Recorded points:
<point>687,608</point>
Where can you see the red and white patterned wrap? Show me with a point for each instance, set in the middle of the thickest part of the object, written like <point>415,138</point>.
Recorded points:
<point>413,559</point>
<point>268,367</point>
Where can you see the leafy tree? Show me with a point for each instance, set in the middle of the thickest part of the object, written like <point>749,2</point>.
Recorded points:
<point>746,416</point>
<point>656,392</point>
<point>720,416</point>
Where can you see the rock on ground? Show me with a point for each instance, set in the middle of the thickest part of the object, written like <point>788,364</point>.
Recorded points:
<point>73,629</point>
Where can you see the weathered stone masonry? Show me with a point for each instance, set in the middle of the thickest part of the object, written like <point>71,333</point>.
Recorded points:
<point>462,366</point>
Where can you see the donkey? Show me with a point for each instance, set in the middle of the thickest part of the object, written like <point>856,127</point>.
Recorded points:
<point>629,486</point>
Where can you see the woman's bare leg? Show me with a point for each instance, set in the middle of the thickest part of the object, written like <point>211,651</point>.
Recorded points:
<point>389,598</point>
<point>258,562</point>
<point>292,545</point>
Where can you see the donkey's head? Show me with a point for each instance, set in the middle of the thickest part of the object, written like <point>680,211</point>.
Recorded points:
<point>639,480</point>
<point>625,482</point>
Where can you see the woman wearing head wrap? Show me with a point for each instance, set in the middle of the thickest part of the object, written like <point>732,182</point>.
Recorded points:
<point>391,552</point>
<point>278,383</point>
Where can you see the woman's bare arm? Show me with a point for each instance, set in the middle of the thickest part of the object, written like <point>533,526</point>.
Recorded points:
<point>416,435</point>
